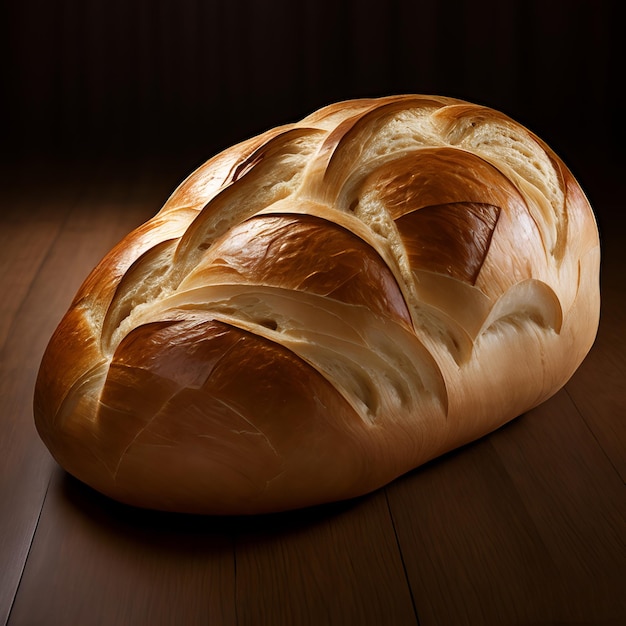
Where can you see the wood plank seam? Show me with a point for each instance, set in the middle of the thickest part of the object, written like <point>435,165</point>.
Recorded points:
<point>30,545</point>
<point>593,434</point>
<point>401,553</point>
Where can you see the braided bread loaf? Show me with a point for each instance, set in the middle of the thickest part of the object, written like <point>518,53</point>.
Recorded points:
<point>324,307</point>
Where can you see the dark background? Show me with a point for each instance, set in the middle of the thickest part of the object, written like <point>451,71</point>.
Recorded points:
<point>524,526</point>
<point>182,79</point>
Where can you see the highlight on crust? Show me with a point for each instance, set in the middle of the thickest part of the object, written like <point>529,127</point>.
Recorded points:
<point>324,307</point>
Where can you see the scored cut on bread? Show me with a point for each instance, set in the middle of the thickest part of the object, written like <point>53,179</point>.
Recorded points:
<point>324,307</point>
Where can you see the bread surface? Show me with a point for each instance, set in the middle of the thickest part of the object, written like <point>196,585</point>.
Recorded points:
<point>321,308</point>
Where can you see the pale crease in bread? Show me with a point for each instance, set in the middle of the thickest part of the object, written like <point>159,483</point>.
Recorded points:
<point>323,307</point>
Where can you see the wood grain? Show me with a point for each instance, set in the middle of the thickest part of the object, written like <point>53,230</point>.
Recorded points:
<point>471,551</point>
<point>597,388</point>
<point>525,526</point>
<point>63,231</point>
<point>104,564</point>
<point>338,564</point>
<point>30,225</point>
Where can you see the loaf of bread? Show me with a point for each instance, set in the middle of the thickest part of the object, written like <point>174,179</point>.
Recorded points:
<point>324,307</point>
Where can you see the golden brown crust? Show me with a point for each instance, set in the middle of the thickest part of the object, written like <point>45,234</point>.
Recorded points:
<point>303,253</point>
<point>323,307</point>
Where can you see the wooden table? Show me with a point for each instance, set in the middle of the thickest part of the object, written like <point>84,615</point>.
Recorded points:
<point>525,526</point>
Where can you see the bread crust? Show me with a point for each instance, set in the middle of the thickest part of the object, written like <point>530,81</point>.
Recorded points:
<point>321,308</point>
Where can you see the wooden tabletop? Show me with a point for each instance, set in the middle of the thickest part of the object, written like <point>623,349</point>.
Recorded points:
<point>525,526</point>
